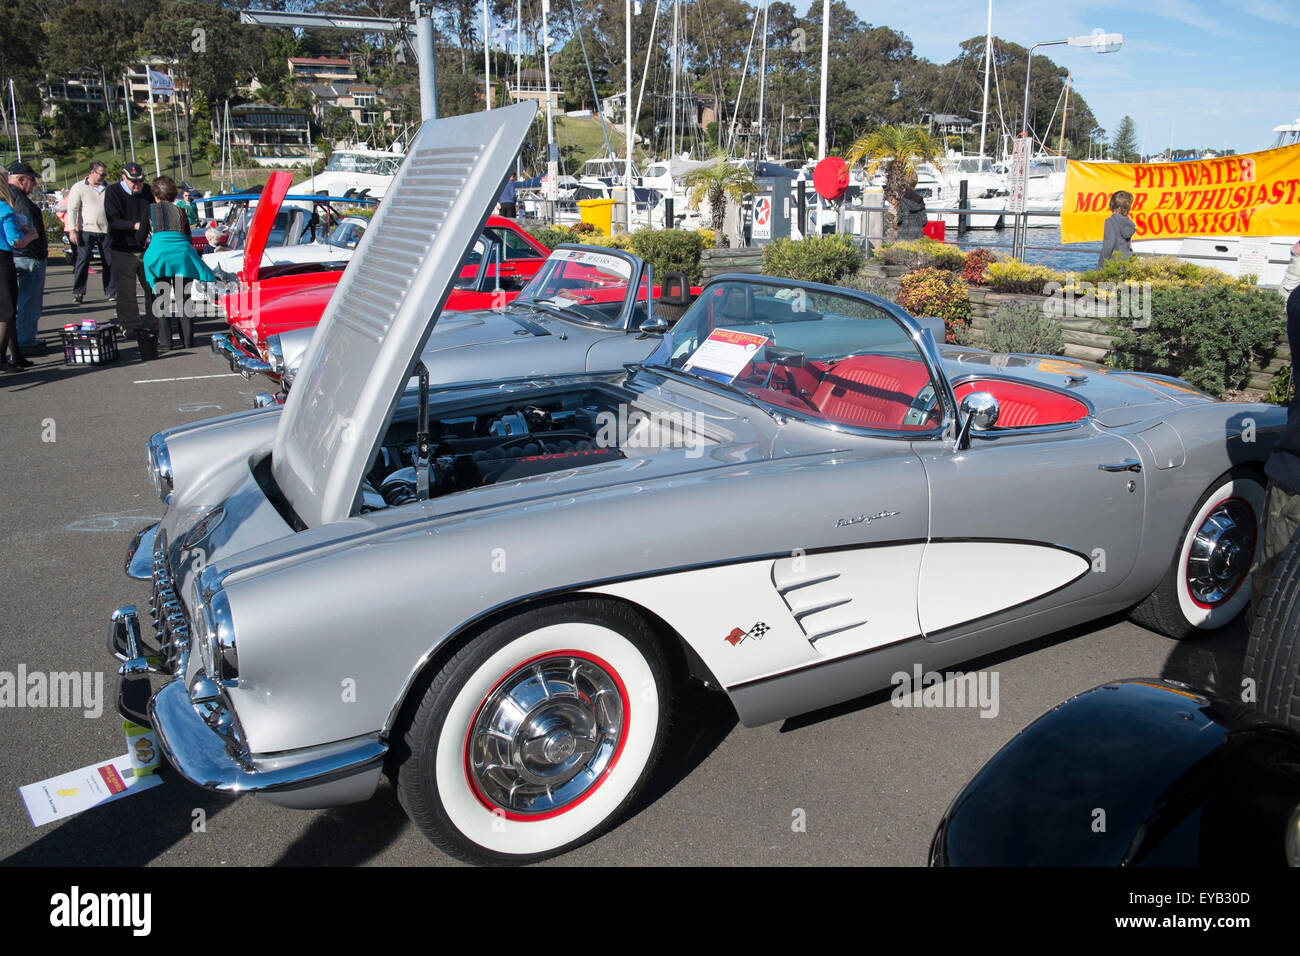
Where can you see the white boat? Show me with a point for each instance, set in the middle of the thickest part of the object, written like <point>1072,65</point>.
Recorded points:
<point>356,172</point>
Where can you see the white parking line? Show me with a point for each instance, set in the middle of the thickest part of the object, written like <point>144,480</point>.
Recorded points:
<point>183,378</point>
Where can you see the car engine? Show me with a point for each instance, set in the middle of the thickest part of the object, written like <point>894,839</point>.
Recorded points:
<point>475,447</point>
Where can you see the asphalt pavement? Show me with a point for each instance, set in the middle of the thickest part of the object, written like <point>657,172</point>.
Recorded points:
<point>863,783</point>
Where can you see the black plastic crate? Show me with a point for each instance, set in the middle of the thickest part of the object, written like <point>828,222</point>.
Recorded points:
<point>97,346</point>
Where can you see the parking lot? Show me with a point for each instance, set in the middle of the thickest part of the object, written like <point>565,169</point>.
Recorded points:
<point>863,783</point>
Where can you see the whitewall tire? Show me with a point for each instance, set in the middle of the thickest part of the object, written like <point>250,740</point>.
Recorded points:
<point>1208,584</point>
<point>536,735</point>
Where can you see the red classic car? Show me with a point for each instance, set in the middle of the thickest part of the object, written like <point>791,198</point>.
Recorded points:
<point>277,298</point>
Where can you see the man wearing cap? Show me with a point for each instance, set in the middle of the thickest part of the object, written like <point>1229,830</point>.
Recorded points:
<point>87,230</point>
<point>29,261</point>
<point>126,206</point>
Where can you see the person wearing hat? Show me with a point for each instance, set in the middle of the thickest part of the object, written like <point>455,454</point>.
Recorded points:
<point>126,206</point>
<point>29,261</point>
<point>87,230</point>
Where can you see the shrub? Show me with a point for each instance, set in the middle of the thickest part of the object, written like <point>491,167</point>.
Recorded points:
<point>922,253</point>
<point>1024,327</point>
<point>1158,270</point>
<point>1209,335</point>
<point>872,284</point>
<point>552,236</point>
<point>938,293</point>
<point>976,265</point>
<point>816,259</point>
<point>620,240</point>
<point>1015,276</point>
<point>1279,390</point>
<point>675,250</point>
<point>584,228</point>
<point>708,237</point>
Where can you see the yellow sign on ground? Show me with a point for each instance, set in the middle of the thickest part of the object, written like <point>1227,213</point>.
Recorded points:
<point>1252,194</point>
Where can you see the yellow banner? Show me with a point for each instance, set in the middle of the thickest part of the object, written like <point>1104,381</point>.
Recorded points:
<point>1252,194</point>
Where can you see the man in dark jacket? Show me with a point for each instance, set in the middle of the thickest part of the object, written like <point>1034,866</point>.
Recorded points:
<point>126,206</point>
<point>29,261</point>
<point>911,212</point>
<point>1282,506</point>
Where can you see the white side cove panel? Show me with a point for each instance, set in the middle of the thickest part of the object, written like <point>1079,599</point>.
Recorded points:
<point>965,580</point>
<point>760,618</point>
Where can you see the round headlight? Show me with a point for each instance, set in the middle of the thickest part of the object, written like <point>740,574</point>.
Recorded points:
<point>160,467</point>
<point>288,375</point>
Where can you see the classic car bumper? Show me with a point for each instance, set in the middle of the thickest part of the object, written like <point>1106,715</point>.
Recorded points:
<point>240,359</point>
<point>327,775</point>
<point>322,776</point>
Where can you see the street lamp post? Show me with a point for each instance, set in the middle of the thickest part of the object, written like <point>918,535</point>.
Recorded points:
<point>1100,42</point>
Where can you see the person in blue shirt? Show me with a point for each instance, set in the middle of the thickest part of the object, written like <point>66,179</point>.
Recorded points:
<point>15,233</point>
<point>507,203</point>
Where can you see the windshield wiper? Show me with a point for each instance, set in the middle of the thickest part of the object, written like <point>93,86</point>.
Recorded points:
<point>693,379</point>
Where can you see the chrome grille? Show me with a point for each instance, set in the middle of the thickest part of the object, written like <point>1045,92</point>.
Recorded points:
<point>170,623</point>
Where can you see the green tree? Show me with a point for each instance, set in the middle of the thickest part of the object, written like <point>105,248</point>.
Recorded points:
<point>717,183</point>
<point>1125,144</point>
<point>900,150</point>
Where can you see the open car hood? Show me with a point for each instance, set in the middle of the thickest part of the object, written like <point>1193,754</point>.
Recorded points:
<point>259,229</point>
<point>385,305</point>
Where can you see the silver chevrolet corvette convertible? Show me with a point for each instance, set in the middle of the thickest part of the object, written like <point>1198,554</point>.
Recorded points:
<point>492,590</point>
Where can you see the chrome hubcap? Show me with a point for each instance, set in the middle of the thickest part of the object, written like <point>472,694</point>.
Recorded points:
<point>1221,552</point>
<point>546,735</point>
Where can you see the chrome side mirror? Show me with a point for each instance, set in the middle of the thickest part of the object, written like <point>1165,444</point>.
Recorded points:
<point>979,413</point>
<point>654,325</point>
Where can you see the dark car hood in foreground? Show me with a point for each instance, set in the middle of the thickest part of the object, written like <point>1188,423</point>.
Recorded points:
<point>1132,773</point>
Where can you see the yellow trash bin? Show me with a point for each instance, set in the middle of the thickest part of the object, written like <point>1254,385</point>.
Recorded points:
<point>597,212</point>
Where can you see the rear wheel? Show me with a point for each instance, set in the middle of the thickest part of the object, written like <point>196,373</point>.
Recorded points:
<point>1273,654</point>
<point>536,735</point>
<point>1208,583</point>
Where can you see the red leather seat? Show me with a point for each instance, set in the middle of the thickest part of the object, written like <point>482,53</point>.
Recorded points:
<point>872,390</point>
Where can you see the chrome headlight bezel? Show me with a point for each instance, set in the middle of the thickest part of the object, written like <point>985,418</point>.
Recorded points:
<point>160,467</point>
<point>214,629</point>
<point>288,376</point>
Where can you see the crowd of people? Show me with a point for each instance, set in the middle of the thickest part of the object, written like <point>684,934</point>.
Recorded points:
<point>141,235</point>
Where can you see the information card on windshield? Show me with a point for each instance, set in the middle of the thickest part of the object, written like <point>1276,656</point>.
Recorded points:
<point>724,354</point>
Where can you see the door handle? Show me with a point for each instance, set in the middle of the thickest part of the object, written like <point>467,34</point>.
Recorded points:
<point>1128,464</point>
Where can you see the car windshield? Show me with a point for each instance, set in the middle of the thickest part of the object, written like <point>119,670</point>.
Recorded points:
<point>827,356</point>
<point>584,284</point>
<point>347,233</point>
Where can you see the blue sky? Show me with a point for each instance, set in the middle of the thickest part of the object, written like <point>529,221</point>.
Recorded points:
<point>1219,72</point>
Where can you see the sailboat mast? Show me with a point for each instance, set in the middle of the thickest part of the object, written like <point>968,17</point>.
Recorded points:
<point>826,43</point>
<point>1064,114</point>
<point>672,129</point>
<point>988,59</point>
<point>487,61</point>
<point>519,72</point>
<point>552,157</point>
<point>762,86</point>
<point>627,104</point>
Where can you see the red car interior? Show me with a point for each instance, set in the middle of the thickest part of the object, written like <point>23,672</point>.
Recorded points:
<point>1022,406</point>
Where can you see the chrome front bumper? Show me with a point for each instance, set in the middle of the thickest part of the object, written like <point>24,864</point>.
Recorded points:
<point>196,726</point>
<point>239,359</point>
<point>327,775</point>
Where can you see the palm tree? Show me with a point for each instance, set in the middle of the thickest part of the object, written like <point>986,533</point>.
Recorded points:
<point>900,150</point>
<point>717,183</point>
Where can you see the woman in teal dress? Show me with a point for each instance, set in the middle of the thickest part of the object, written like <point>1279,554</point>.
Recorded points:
<point>169,261</point>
